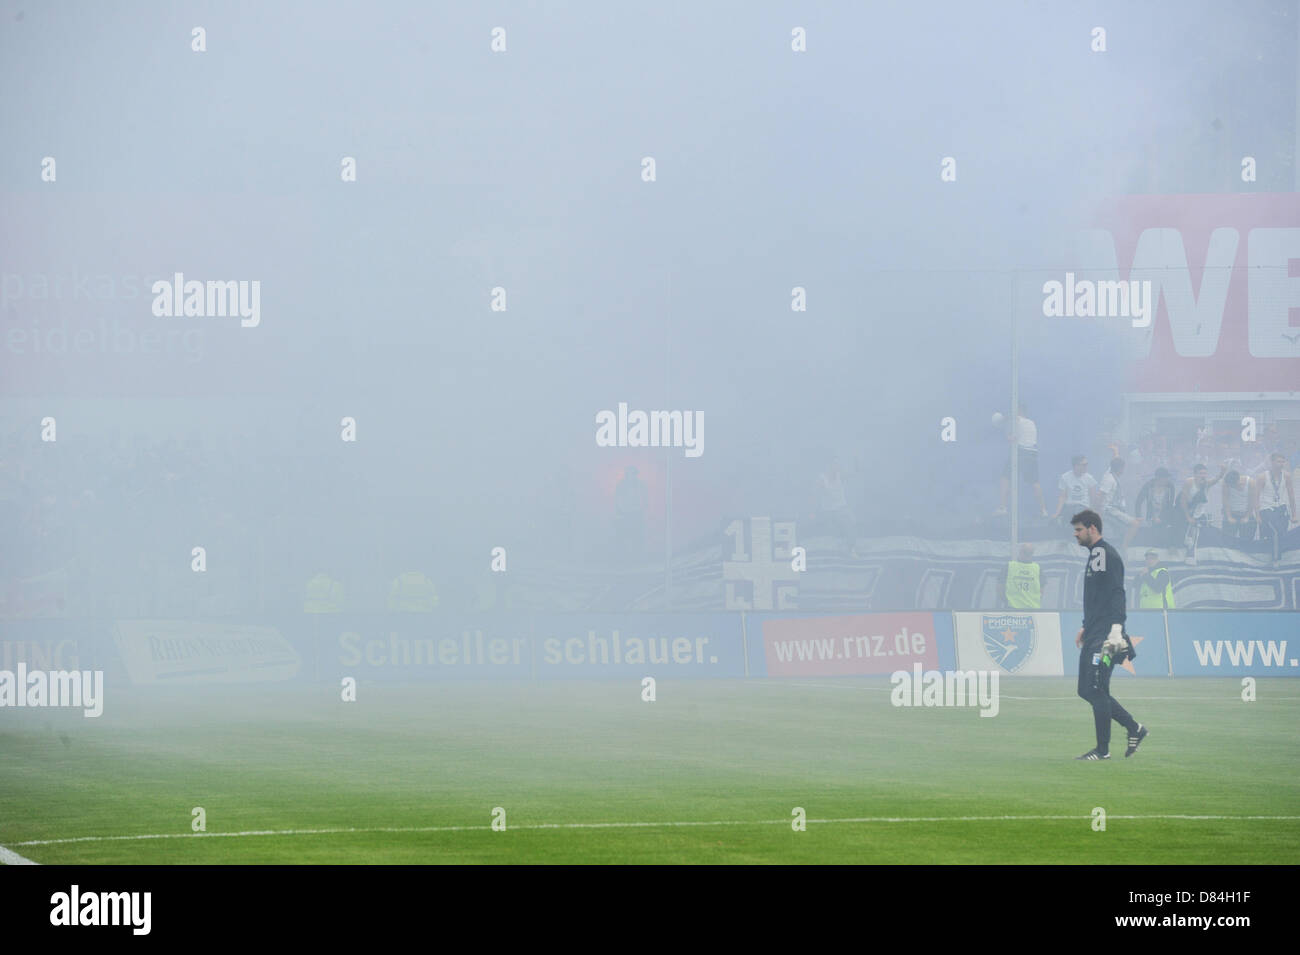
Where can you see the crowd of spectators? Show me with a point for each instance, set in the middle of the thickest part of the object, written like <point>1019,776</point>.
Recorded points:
<point>1181,489</point>
<point>1210,487</point>
<point>106,525</point>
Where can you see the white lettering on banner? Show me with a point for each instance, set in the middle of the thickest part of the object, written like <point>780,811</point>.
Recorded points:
<point>1196,317</point>
<point>179,651</point>
<point>1241,652</point>
<point>1273,293</point>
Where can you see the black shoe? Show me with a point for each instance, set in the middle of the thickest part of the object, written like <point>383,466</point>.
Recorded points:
<point>1093,754</point>
<point>1135,740</point>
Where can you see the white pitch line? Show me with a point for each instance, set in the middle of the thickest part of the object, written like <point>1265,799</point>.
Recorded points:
<point>8,857</point>
<point>1128,696</point>
<point>1229,698</point>
<point>621,825</point>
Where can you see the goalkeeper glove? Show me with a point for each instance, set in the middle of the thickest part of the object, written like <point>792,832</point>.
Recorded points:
<point>1113,643</point>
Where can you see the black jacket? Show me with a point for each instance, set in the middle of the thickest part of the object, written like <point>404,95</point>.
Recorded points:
<point>1145,506</point>
<point>1103,592</point>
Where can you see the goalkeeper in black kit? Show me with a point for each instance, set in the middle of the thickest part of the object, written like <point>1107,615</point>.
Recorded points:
<point>1102,640</point>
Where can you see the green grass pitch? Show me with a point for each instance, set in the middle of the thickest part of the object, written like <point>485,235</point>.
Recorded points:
<point>735,755</point>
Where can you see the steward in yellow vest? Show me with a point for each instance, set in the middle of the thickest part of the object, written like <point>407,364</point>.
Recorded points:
<point>412,592</point>
<point>1155,586</point>
<point>491,594</point>
<point>1024,585</point>
<point>324,594</point>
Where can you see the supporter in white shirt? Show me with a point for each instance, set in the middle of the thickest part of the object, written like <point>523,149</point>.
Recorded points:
<point>1076,488</point>
<point>1111,498</point>
<point>1272,498</point>
<point>1025,434</point>
<point>834,516</point>
<point>1238,516</point>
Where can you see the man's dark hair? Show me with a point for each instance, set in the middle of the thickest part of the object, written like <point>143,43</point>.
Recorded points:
<point>1230,478</point>
<point>1087,518</point>
<point>1116,465</point>
<point>1074,461</point>
<point>1151,553</point>
<point>1199,467</point>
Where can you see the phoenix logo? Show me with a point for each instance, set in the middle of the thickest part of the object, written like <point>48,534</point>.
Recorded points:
<point>1009,639</point>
